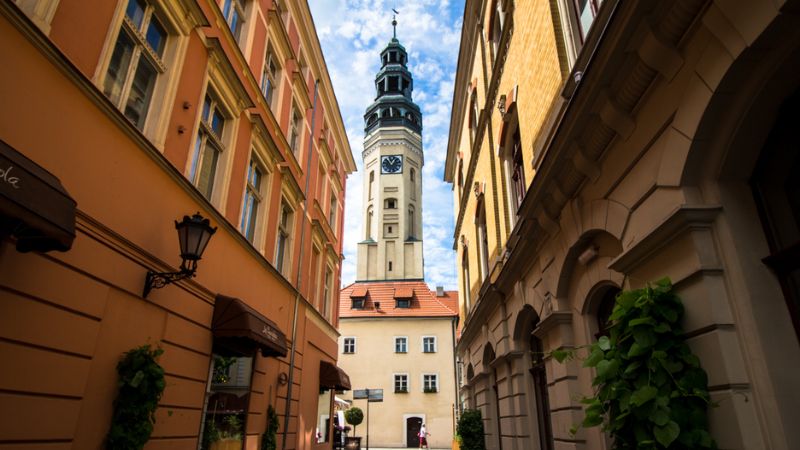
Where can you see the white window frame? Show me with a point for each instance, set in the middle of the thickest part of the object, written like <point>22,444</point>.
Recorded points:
<point>435,344</point>
<point>283,261</point>
<point>295,134</point>
<point>254,220</point>
<point>270,82</point>
<point>405,344</point>
<point>327,291</point>
<point>206,136</point>
<point>240,7</point>
<point>407,380</point>
<point>344,345</point>
<point>435,379</point>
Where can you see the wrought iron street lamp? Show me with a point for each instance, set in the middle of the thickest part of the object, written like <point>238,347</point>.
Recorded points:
<point>193,235</point>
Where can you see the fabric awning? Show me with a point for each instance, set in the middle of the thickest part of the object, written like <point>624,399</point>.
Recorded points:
<point>333,377</point>
<point>238,327</point>
<point>34,206</point>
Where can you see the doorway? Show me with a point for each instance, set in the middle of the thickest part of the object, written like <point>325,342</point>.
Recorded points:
<point>413,425</point>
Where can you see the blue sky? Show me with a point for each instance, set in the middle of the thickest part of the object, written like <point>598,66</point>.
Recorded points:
<point>352,33</point>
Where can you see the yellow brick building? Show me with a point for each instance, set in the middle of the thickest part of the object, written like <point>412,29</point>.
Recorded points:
<point>596,146</point>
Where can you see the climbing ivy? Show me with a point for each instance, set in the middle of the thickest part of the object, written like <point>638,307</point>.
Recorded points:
<point>141,383</point>
<point>269,440</point>
<point>650,391</point>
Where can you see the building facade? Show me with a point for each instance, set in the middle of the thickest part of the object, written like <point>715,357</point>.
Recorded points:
<point>400,337</point>
<point>601,148</point>
<point>393,160</point>
<point>118,118</point>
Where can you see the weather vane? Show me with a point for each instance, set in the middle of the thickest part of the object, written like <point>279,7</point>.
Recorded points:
<point>394,22</point>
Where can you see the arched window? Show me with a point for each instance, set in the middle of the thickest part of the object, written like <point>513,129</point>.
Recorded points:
<point>412,175</point>
<point>473,118</point>
<point>371,183</point>
<point>511,154</point>
<point>390,203</point>
<point>604,309</point>
<point>460,178</point>
<point>411,222</point>
<point>539,375</point>
<point>483,239</point>
<point>465,278</point>
<point>498,20</point>
<point>368,225</point>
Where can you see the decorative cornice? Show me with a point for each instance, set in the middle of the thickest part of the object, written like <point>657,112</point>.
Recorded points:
<point>554,320</point>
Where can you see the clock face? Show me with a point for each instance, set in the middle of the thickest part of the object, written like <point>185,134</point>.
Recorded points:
<point>391,164</point>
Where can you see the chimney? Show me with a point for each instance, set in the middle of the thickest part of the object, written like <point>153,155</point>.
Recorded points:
<point>440,291</point>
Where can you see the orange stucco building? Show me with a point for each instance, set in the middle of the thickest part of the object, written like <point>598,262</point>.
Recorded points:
<point>117,119</point>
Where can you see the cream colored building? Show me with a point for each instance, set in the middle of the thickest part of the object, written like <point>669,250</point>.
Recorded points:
<point>598,149</point>
<point>400,337</point>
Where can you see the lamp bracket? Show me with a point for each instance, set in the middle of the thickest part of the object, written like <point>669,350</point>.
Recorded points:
<point>157,280</point>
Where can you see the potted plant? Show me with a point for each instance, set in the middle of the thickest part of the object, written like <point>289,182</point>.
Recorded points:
<point>354,416</point>
<point>229,438</point>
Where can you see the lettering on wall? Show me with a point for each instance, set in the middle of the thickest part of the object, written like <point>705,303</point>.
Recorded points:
<point>6,177</point>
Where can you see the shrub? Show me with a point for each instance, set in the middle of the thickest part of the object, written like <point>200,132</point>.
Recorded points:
<point>470,430</point>
<point>269,441</point>
<point>354,416</point>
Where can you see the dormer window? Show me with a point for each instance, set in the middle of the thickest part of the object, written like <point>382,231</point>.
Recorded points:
<point>358,297</point>
<point>358,303</point>
<point>403,303</point>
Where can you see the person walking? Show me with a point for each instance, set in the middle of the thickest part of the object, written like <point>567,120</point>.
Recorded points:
<point>423,437</point>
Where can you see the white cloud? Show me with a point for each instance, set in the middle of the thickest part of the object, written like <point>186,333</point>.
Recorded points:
<point>352,34</point>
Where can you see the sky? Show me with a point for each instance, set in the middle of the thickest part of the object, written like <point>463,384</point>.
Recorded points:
<point>352,34</point>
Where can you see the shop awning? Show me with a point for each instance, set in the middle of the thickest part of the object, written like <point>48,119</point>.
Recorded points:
<point>238,327</point>
<point>333,377</point>
<point>34,206</point>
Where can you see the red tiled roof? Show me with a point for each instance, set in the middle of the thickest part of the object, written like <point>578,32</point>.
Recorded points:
<point>424,302</point>
<point>359,291</point>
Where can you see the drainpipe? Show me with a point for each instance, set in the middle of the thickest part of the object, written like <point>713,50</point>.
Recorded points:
<point>288,409</point>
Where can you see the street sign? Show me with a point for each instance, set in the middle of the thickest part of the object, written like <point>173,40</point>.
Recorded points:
<point>359,394</point>
<point>375,395</point>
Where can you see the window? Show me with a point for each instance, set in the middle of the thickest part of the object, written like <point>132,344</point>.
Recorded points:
<point>136,61</point>
<point>498,20</point>
<point>332,212</point>
<point>401,383</point>
<point>430,383</point>
<point>460,178</point>
<point>327,290</point>
<point>284,236</point>
<point>412,174</point>
<point>473,118</point>
<point>208,146</point>
<point>411,222</point>
<point>270,78</point>
<point>368,225</point>
<point>227,398</point>
<point>402,302</point>
<point>517,173</point>
<point>483,240</point>
<point>465,277</point>
<point>401,344</point>
<point>429,344</point>
<point>349,345</point>
<point>233,10</point>
<point>371,183</point>
<point>358,303</point>
<point>294,130</point>
<point>586,11</point>
<point>390,203</point>
<point>252,199</point>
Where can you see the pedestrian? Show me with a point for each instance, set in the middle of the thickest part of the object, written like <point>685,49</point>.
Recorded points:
<point>423,437</point>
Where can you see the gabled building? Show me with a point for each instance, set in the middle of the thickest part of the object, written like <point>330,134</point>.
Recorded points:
<point>597,146</point>
<point>399,336</point>
<point>118,118</point>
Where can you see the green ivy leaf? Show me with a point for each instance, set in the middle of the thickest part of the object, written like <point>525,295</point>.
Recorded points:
<point>666,434</point>
<point>644,337</point>
<point>642,321</point>
<point>643,395</point>
<point>561,355</point>
<point>604,343</point>
<point>607,369</point>
<point>137,379</point>
<point>595,357</point>
<point>660,416</point>
<point>636,350</point>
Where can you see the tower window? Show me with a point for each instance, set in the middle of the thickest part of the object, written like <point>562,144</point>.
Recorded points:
<point>390,266</point>
<point>394,84</point>
<point>390,203</point>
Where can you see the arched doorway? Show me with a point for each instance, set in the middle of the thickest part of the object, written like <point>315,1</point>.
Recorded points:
<point>493,398</point>
<point>413,425</point>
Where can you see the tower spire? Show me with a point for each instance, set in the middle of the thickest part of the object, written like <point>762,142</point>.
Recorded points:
<point>394,23</point>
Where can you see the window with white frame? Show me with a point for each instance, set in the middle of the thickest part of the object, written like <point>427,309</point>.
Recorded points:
<point>465,275</point>
<point>412,185</point>
<point>285,222</point>
<point>430,382</point>
<point>401,344</point>
<point>586,11</point>
<point>349,345</point>
<point>429,344</point>
<point>233,10</point>
<point>401,383</point>
<point>483,240</point>
<point>368,225</point>
<point>332,212</point>
<point>252,198</point>
<point>270,77</point>
<point>498,21</point>
<point>371,184</point>
<point>136,61</point>
<point>411,222</point>
<point>208,146</point>
<point>295,122</point>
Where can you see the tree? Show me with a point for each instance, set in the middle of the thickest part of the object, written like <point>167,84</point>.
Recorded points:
<point>354,416</point>
<point>470,429</point>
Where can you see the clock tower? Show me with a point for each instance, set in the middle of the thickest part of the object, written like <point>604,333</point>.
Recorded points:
<point>391,245</point>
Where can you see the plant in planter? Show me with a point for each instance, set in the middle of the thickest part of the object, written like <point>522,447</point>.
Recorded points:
<point>269,441</point>
<point>470,430</point>
<point>430,390</point>
<point>650,389</point>
<point>141,383</point>
<point>354,416</point>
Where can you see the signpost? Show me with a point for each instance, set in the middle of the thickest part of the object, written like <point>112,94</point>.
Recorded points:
<point>372,396</point>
